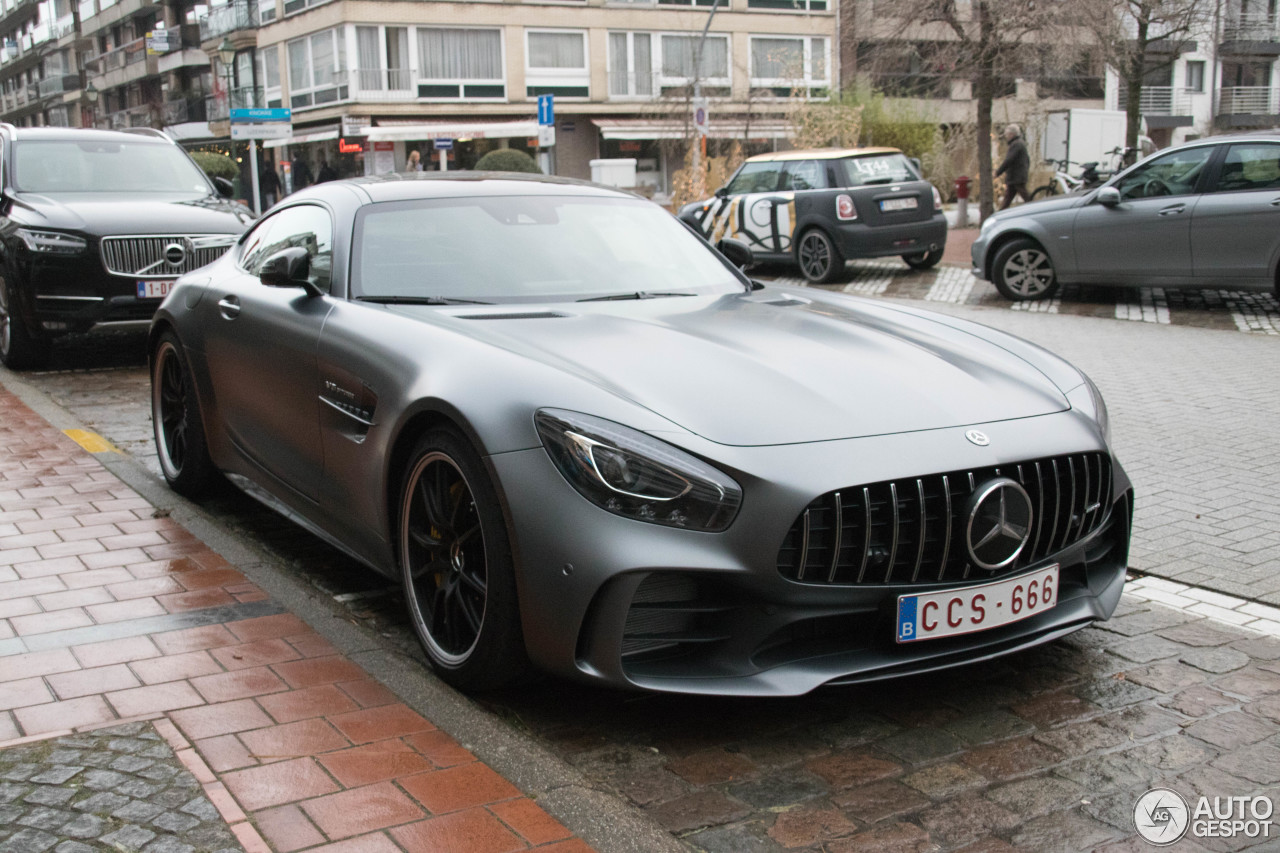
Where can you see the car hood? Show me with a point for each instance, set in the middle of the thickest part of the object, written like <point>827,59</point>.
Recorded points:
<point>126,213</point>
<point>1044,205</point>
<point>769,368</point>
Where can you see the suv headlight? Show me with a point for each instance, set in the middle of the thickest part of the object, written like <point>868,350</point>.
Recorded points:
<point>51,242</point>
<point>635,475</point>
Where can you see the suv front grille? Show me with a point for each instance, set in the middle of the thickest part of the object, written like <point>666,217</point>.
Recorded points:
<point>912,530</point>
<point>144,257</point>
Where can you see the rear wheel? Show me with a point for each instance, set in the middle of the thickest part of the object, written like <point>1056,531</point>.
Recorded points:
<point>1044,191</point>
<point>819,260</point>
<point>924,260</point>
<point>455,556</point>
<point>175,414</point>
<point>1022,270</point>
<point>19,349</point>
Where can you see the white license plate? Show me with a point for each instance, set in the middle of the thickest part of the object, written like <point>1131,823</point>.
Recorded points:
<point>154,289</point>
<point>976,608</point>
<point>899,204</point>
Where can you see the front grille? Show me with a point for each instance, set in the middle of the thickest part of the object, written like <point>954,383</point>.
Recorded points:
<point>912,530</point>
<point>143,257</point>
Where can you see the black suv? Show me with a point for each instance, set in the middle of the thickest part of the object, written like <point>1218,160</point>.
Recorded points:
<point>820,208</point>
<point>95,225</point>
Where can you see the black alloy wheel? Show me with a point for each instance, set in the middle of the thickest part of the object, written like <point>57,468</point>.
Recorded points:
<point>456,563</point>
<point>923,260</point>
<point>819,259</point>
<point>179,429</point>
<point>1022,270</point>
<point>19,349</point>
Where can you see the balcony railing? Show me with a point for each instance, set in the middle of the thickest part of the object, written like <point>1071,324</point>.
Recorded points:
<point>64,26</point>
<point>141,116</point>
<point>1248,100</point>
<point>118,57</point>
<point>1251,26</point>
<point>241,15</point>
<point>218,107</point>
<point>385,81</point>
<point>57,85</point>
<point>1158,101</point>
<point>629,84</point>
<point>184,110</point>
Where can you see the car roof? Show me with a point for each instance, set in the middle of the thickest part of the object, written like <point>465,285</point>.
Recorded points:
<point>86,133</point>
<point>406,186</point>
<point>820,154</point>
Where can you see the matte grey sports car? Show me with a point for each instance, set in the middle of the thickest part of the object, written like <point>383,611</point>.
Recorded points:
<point>585,440</point>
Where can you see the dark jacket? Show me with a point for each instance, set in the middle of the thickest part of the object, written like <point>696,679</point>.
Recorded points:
<point>1016,167</point>
<point>301,174</point>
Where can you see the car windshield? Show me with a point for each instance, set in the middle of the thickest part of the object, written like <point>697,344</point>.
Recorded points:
<point>879,169</point>
<point>530,248</point>
<point>104,166</point>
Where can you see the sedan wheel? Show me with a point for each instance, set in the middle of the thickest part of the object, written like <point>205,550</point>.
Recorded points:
<point>457,567</point>
<point>819,259</point>
<point>179,429</point>
<point>1022,271</point>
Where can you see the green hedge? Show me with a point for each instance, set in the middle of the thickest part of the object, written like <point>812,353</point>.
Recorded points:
<point>507,160</point>
<point>216,165</point>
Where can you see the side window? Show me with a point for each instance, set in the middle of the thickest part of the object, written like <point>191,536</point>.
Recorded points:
<point>756,178</point>
<point>1251,166</point>
<point>307,226</point>
<point>804,175</point>
<point>1175,173</point>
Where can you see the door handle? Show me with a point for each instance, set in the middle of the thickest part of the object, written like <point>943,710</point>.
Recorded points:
<point>1178,208</point>
<point>229,307</point>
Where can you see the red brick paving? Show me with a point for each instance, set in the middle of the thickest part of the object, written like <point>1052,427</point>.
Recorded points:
<point>296,746</point>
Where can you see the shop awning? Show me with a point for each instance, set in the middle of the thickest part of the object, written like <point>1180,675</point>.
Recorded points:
<point>389,130</point>
<point>659,128</point>
<point>298,138</point>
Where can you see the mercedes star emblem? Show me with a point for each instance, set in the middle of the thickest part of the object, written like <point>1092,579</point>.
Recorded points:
<point>999,523</point>
<point>977,437</point>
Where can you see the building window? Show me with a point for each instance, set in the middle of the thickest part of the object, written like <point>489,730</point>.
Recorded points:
<point>266,11</point>
<point>460,63</point>
<point>383,59</point>
<point>789,5</point>
<point>784,65</point>
<point>294,6</point>
<point>556,63</point>
<point>677,63</point>
<point>723,3</point>
<point>1195,76</point>
<point>631,65</point>
<point>317,70</point>
<point>269,75</point>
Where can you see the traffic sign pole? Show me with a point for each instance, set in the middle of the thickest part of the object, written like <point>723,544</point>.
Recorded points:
<point>254,168</point>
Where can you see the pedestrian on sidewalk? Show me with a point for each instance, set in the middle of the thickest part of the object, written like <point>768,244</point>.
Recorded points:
<point>1016,167</point>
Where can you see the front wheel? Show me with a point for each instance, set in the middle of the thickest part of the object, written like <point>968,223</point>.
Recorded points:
<point>1022,270</point>
<point>455,558</point>
<point>175,415</point>
<point>819,259</point>
<point>19,349</point>
<point>924,260</point>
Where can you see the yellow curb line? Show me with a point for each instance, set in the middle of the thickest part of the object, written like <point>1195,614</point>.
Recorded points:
<point>91,441</point>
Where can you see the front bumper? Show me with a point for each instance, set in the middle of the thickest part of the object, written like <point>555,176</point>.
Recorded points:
<point>601,596</point>
<point>75,294</point>
<point>978,254</point>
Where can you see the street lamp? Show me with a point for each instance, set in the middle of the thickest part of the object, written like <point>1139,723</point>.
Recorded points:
<point>91,93</point>
<point>227,56</point>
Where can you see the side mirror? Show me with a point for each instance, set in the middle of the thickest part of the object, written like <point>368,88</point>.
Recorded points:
<point>738,252</point>
<point>288,268</point>
<point>224,187</point>
<point>1108,197</point>
<point>723,192</point>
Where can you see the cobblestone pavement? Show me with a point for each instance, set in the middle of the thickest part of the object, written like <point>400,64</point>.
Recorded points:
<point>120,788</point>
<point>111,613</point>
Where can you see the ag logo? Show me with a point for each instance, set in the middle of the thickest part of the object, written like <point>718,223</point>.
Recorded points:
<point>1161,816</point>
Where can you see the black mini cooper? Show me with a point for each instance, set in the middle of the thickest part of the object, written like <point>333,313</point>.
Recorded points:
<point>95,226</point>
<point>820,208</point>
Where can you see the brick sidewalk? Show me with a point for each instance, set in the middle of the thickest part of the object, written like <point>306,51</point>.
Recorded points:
<point>111,615</point>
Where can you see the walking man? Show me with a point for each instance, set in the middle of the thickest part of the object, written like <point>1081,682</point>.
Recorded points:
<point>1016,167</point>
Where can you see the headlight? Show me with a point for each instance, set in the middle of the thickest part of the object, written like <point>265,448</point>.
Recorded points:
<point>51,242</point>
<point>636,476</point>
<point>1099,409</point>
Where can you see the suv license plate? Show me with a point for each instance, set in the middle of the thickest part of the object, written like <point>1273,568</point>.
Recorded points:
<point>899,204</point>
<point>154,289</point>
<point>976,608</point>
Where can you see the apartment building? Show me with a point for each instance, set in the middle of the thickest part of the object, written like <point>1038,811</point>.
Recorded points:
<point>368,81</point>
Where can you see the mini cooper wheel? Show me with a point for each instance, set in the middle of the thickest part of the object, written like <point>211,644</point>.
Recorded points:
<point>1022,271</point>
<point>175,414</point>
<point>456,561</point>
<point>19,349</point>
<point>923,260</point>
<point>819,260</point>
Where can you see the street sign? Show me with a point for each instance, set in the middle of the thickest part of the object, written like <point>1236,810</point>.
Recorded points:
<point>356,125</point>
<point>275,130</point>
<point>700,116</point>
<point>546,109</point>
<point>262,114</point>
<point>546,135</point>
<point>443,144</point>
<point>162,41</point>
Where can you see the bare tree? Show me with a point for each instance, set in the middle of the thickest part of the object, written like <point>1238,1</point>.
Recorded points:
<point>1142,37</point>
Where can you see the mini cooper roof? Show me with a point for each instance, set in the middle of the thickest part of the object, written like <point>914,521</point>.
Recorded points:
<point>820,154</point>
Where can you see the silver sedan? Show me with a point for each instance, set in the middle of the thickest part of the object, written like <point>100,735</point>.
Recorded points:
<point>1205,214</point>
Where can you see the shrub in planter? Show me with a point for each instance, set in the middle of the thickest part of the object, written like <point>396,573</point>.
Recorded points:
<point>507,160</point>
